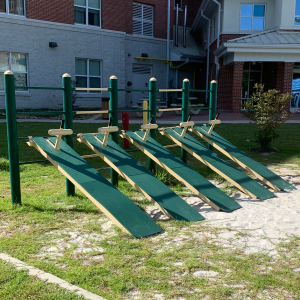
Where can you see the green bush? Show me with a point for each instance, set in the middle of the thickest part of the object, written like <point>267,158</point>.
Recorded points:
<point>4,164</point>
<point>269,110</point>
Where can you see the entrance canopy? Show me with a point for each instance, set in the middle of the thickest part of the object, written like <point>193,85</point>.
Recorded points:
<point>270,45</point>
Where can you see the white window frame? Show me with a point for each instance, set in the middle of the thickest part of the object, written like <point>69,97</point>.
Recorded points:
<point>16,72</point>
<point>88,75</point>
<point>87,14</point>
<point>296,16</point>
<point>144,21</point>
<point>252,17</point>
<point>179,6</point>
<point>7,9</point>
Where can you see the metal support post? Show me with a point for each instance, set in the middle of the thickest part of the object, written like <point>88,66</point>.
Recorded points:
<point>145,107</point>
<point>12,137</point>
<point>68,116</point>
<point>212,103</point>
<point>213,100</point>
<point>152,113</point>
<point>185,110</point>
<point>113,88</point>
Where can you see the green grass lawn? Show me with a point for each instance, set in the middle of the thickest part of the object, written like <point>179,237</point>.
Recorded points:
<point>72,239</point>
<point>19,285</point>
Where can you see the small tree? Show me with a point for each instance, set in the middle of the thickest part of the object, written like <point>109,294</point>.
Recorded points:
<point>269,111</point>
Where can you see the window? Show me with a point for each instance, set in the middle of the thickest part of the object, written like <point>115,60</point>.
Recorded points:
<point>88,73</point>
<point>87,12</point>
<point>17,63</point>
<point>297,13</point>
<point>15,7</point>
<point>142,19</point>
<point>179,2</point>
<point>252,17</point>
<point>252,74</point>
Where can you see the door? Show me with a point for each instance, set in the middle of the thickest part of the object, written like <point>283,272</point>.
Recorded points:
<point>252,74</point>
<point>141,75</point>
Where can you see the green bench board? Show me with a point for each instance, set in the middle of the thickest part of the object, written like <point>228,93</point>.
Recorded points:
<point>126,165</point>
<point>241,157</point>
<point>182,171</point>
<point>222,167</point>
<point>121,210</point>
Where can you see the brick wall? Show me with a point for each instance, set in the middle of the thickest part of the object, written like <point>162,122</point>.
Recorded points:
<point>230,77</point>
<point>52,11</point>
<point>225,86</point>
<point>115,15</point>
<point>237,86</point>
<point>230,86</point>
<point>226,37</point>
<point>284,77</point>
<point>192,10</point>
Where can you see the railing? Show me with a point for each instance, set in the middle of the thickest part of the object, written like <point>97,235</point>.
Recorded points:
<point>67,112</point>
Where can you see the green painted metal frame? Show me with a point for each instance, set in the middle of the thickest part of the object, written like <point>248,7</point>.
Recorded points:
<point>113,85</point>
<point>68,115</point>
<point>185,111</point>
<point>152,114</point>
<point>12,138</point>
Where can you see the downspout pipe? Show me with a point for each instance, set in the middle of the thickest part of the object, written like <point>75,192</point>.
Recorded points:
<point>168,47</point>
<point>219,22</point>
<point>208,49</point>
<point>218,40</point>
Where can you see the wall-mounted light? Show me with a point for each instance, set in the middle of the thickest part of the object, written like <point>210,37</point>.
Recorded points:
<point>52,44</point>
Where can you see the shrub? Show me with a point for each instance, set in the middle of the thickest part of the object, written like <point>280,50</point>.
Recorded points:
<point>4,164</point>
<point>269,110</point>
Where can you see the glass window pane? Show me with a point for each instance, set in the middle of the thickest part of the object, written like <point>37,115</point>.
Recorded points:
<point>246,10</point>
<point>80,17</point>
<point>297,8</point>
<point>80,2</point>
<point>259,11</point>
<point>255,66</point>
<point>20,79</point>
<point>94,3</point>
<point>80,67</point>
<point>81,82</point>
<point>254,78</point>
<point>16,7</point>
<point>4,61</point>
<point>95,83</point>
<point>245,85</point>
<point>94,17</point>
<point>1,81</point>
<point>18,62</point>
<point>258,23</point>
<point>94,68</point>
<point>2,6</point>
<point>246,23</point>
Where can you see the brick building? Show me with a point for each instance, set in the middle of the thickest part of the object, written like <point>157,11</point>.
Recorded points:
<point>250,42</point>
<point>91,40</point>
